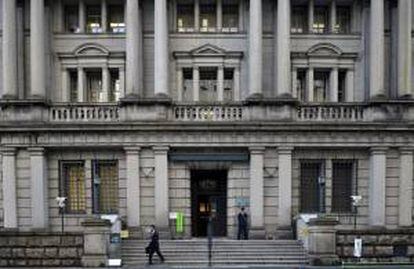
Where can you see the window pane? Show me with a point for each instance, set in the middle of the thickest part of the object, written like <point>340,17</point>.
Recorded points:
<point>188,84</point>
<point>230,18</point>
<point>343,20</point>
<point>311,188</point>
<point>73,186</point>
<point>208,16</point>
<point>320,24</point>
<point>105,187</point>
<point>94,86</point>
<point>93,19</point>
<point>342,178</point>
<point>208,84</point>
<point>301,85</point>
<point>228,84</point>
<point>71,19</point>
<point>115,91</point>
<point>299,20</point>
<point>116,19</point>
<point>73,86</point>
<point>320,87</point>
<point>185,18</point>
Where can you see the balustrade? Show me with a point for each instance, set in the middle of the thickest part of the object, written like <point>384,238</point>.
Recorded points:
<point>84,113</point>
<point>335,112</point>
<point>208,113</point>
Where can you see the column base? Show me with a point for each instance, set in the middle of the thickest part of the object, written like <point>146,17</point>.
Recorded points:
<point>378,97</point>
<point>285,96</point>
<point>284,232</point>
<point>255,97</point>
<point>257,233</point>
<point>407,96</point>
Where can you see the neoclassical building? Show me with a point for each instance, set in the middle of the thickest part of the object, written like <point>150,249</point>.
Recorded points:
<point>144,108</point>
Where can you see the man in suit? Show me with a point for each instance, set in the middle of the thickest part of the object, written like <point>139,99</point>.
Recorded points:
<point>154,245</point>
<point>242,219</point>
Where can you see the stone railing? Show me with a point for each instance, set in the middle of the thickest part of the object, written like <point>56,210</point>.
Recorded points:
<point>331,112</point>
<point>84,113</point>
<point>208,113</point>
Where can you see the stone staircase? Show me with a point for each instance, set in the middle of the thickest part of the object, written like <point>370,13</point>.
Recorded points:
<point>190,253</point>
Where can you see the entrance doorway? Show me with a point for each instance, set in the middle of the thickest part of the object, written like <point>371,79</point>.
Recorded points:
<point>208,198</point>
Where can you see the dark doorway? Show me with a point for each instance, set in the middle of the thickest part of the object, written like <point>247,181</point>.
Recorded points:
<point>312,187</point>
<point>208,197</point>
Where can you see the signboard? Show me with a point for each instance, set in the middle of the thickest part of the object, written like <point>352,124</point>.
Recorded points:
<point>242,201</point>
<point>358,247</point>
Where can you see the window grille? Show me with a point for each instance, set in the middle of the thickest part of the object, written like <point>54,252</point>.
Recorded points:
<point>116,19</point>
<point>299,20</point>
<point>342,183</point>
<point>312,186</point>
<point>343,20</point>
<point>320,23</point>
<point>185,18</point>
<point>93,19</point>
<point>94,86</point>
<point>105,186</point>
<point>73,185</point>
<point>208,17</point>
<point>71,19</point>
<point>321,86</point>
<point>230,18</point>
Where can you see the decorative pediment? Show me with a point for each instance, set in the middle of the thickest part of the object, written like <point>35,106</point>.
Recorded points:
<point>91,50</point>
<point>324,49</point>
<point>208,50</point>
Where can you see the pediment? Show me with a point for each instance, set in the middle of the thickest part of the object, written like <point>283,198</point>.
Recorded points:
<point>324,50</point>
<point>91,50</point>
<point>208,50</point>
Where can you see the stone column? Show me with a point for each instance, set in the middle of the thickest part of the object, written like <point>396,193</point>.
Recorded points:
<point>283,49</point>
<point>39,188</point>
<point>196,15</point>
<point>133,50</point>
<point>81,84</point>
<point>161,48</point>
<point>295,83</point>
<point>333,81</point>
<point>322,241</point>
<point>122,82</point>
<point>104,16</point>
<point>9,187</point>
<point>256,192</point>
<point>220,84</point>
<point>255,48</point>
<point>58,16</point>
<point>241,15</point>
<point>309,85</point>
<point>311,6</point>
<point>333,16</point>
<point>376,63</point>
<point>349,94</point>
<point>377,180</point>
<point>236,84</point>
<point>404,47</point>
<point>219,15</point>
<point>37,50</point>
<point>406,188</point>
<point>9,46</point>
<point>133,186</point>
<point>180,87</point>
<point>106,83</point>
<point>161,186</point>
<point>65,85</point>
<point>196,84</point>
<point>82,16</point>
<point>285,186</point>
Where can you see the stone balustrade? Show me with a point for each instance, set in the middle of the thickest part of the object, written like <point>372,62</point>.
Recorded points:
<point>208,113</point>
<point>84,113</point>
<point>332,112</point>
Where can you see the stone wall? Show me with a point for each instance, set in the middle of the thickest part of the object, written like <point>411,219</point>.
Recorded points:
<point>40,249</point>
<point>377,245</point>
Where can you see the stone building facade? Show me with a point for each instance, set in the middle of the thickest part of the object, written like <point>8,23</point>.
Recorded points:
<point>142,108</point>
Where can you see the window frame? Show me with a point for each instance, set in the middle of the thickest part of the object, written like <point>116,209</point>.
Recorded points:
<point>96,200</point>
<point>64,188</point>
<point>353,187</point>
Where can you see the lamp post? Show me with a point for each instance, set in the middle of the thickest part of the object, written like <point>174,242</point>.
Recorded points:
<point>356,199</point>
<point>61,201</point>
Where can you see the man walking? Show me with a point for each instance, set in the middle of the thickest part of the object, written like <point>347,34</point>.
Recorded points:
<point>154,245</point>
<point>242,218</point>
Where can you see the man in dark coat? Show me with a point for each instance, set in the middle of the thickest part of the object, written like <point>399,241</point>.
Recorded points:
<point>154,245</point>
<point>242,219</point>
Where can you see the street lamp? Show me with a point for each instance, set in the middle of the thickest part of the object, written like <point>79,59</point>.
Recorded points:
<point>356,199</point>
<point>61,201</point>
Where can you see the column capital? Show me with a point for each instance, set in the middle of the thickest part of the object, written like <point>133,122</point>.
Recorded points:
<point>8,151</point>
<point>378,150</point>
<point>256,149</point>
<point>407,151</point>
<point>160,149</point>
<point>36,151</point>
<point>285,150</point>
<point>132,149</point>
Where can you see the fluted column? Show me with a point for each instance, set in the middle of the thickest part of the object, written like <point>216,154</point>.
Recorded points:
<point>405,196</point>
<point>133,50</point>
<point>255,48</point>
<point>404,47</point>
<point>161,186</point>
<point>66,85</point>
<point>349,94</point>
<point>376,63</point>
<point>285,186</point>
<point>9,46</point>
<point>309,85</point>
<point>81,84</point>
<point>283,48</point>
<point>39,188</point>
<point>180,87</point>
<point>196,84</point>
<point>377,185</point>
<point>37,50</point>
<point>9,187</point>
<point>236,84</point>
<point>333,79</point>
<point>160,48</point>
<point>220,84</point>
<point>133,186</point>
<point>106,83</point>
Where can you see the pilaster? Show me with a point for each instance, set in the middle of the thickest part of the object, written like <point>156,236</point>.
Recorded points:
<point>161,186</point>
<point>283,49</point>
<point>405,202</point>
<point>256,191</point>
<point>39,188</point>
<point>404,48</point>
<point>376,62</point>
<point>285,186</point>
<point>9,187</point>
<point>377,181</point>
<point>255,48</point>
<point>133,186</point>
<point>160,48</point>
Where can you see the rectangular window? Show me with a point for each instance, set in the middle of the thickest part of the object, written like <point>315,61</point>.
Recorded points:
<point>321,19</point>
<point>116,19</point>
<point>343,20</point>
<point>230,18</point>
<point>342,86</point>
<point>115,91</point>
<point>299,20</point>
<point>312,186</point>
<point>342,182</point>
<point>188,84</point>
<point>185,18</point>
<point>208,84</point>
<point>93,19</point>
<point>105,186</point>
<point>208,16</point>
<point>321,86</point>
<point>73,86</point>
<point>72,185</point>
<point>71,19</point>
<point>301,85</point>
<point>94,86</point>
<point>228,84</point>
